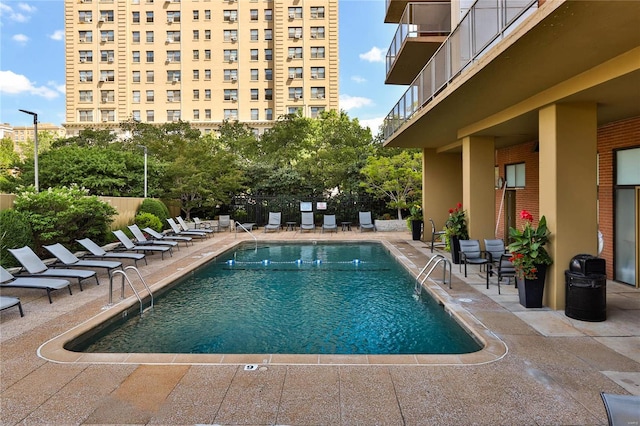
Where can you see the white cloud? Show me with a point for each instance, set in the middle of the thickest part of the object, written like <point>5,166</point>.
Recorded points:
<point>20,38</point>
<point>59,87</point>
<point>14,84</point>
<point>358,79</point>
<point>351,102</point>
<point>27,8</point>
<point>373,55</point>
<point>372,123</point>
<point>57,35</point>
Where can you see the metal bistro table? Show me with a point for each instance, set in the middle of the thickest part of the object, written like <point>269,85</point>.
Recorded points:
<point>346,226</point>
<point>291,226</point>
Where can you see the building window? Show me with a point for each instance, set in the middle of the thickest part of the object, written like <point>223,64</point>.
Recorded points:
<point>317,72</point>
<point>254,114</point>
<point>293,109</point>
<point>86,36</point>
<point>135,36</point>
<point>317,93</point>
<point>317,32</point>
<point>136,17</point>
<point>136,57</point>
<point>196,94</point>
<point>230,94</point>
<point>268,34</point>
<point>295,93</point>
<point>207,114</point>
<point>295,53</point>
<point>136,97</point>
<point>196,114</point>
<point>173,36</point>
<point>268,114</point>
<point>295,13</point>
<point>254,54</point>
<point>109,55</point>
<point>207,15</point>
<point>86,95</point>
<point>230,15</point>
<point>173,114</point>
<point>150,37</point>
<point>515,174</point>
<point>85,16</point>
<point>207,94</point>
<point>108,115</point>
<point>107,36</point>
<point>150,96</point>
<point>230,75</point>
<point>196,55</point>
<point>207,74</point>
<point>196,35</point>
<point>196,74</point>
<point>173,16</point>
<point>317,52</point>
<point>316,111</point>
<point>268,74</point>
<point>268,54</point>
<point>230,114</point>
<point>150,116</point>
<point>254,14</point>
<point>295,72</point>
<point>85,115</point>
<point>253,35</point>
<point>207,54</point>
<point>107,95</point>
<point>173,56</point>
<point>317,12</point>
<point>173,76</point>
<point>207,34</point>
<point>254,74</point>
<point>149,17</point>
<point>196,15</point>
<point>268,94</point>
<point>295,32</point>
<point>136,76</point>
<point>136,115</point>
<point>173,96</point>
<point>254,94</point>
<point>230,35</point>
<point>230,55</point>
<point>150,77</point>
<point>268,15</point>
<point>149,56</point>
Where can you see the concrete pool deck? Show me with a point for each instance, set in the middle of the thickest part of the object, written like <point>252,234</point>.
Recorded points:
<point>551,371</point>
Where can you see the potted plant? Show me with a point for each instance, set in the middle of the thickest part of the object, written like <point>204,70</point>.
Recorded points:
<point>455,230</point>
<point>530,259</point>
<point>416,220</point>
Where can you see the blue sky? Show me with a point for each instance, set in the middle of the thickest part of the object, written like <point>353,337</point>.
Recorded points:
<point>32,61</point>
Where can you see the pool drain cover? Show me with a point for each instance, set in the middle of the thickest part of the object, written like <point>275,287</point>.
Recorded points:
<point>250,367</point>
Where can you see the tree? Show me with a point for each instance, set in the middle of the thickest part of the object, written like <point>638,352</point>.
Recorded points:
<point>397,178</point>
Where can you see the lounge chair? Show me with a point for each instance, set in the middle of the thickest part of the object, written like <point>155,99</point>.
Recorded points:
<point>70,260</point>
<point>49,284</point>
<point>35,267</point>
<point>621,409</point>
<point>177,231</point>
<point>9,302</point>
<point>365,222</point>
<point>167,237</point>
<point>201,224</point>
<point>329,223</point>
<point>275,222</point>
<point>98,252</point>
<point>307,223</point>
<point>186,227</point>
<point>129,245</point>
<point>142,240</point>
<point>224,221</point>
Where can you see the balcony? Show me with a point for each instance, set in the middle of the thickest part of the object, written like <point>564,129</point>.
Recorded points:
<point>395,9</point>
<point>422,29</point>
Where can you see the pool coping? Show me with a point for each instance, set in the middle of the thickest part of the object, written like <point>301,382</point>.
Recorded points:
<point>493,348</point>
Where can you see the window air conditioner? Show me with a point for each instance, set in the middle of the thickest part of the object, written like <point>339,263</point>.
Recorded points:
<point>176,79</point>
<point>169,40</point>
<point>234,78</point>
<point>291,56</point>
<point>297,97</point>
<point>232,18</point>
<point>233,98</point>
<point>82,40</point>
<point>314,76</point>
<point>292,16</point>
<point>234,38</point>
<point>170,19</point>
<point>87,19</point>
<point>110,60</point>
<point>170,99</point>
<point>320,96</point>
<point>169,60</point>
<point>103,79</point>
<point>297,36</point>
<point>104,100</point>
<point>102,20</point>
<point>83,79</point>
<point>83,60</point>
<point>314,35</point>
<point>292,75</point>
<point>104,39</point>
<point>104,120</point>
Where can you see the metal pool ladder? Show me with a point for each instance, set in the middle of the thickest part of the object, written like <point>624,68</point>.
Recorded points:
<point>248,231</point>
<point>425,272</point>
<point>125,277</point>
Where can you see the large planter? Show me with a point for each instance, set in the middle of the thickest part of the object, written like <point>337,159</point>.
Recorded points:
<point>530,291</point>
<point>416,229</point>
<point>454,244</point>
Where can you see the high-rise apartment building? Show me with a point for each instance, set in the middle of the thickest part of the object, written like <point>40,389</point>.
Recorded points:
<point>204,61</point>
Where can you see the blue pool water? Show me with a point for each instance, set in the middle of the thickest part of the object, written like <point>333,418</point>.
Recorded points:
<point>294,299</point>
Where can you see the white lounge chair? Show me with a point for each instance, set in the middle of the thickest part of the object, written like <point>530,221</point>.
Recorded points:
<point>35,267</point>
<point>329,223</point>
<point>186,227</point>
<point>365,222</point>
<point>69,259</point>
<point>49,284</point>
<point>275,222</point>
<point>129,245</point>
<point>100,253</point>
<point>167,237</point>
<point>177,231</point>
<point>142,239</point>
<point>9,302</point>
<point>224,221</point>
<point>307,222</point>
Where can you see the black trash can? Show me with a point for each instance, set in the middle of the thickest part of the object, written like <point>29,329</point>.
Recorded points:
<point>586,296</point>
<point>588,264</point>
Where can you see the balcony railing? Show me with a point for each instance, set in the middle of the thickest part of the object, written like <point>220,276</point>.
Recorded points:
<point>419,20</point>
<point>485,24</point>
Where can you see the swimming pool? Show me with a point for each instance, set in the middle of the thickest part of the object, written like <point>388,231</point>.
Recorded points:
<point>310,298</point>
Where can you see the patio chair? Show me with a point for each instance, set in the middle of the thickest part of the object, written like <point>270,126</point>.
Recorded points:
<point>49,284</point>
<point>436,236</point>
<point>65,257</point>
<point>35,267</point>
<point>177,231</point>
<point>167,237</point>
<point>329,223</point>
<point>129,245</point>
<point>307,222</point>
<point>275,222</point>
<point>366,222</point>
<point>142,240</point>
<point>224,221</point>
<point>471,254</point>
<point>186,227</point>
<point>200,224</point>
<point>499,259</point>
<point>98,252</point>
<point>9,302</point>
<point>621,409</point>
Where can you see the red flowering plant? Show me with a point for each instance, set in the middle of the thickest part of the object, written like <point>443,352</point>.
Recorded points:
<point>527,246</point>
<point>456,225</point>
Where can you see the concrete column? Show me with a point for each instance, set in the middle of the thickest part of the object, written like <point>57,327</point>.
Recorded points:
<point>441,184</point>
<point>478,185</point>
<point>568,188</point>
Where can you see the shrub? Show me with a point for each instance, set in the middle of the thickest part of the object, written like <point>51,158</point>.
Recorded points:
<point>152,221</point>
<point>15,233</point>
<point>156,208</point>
<point>63,215</point>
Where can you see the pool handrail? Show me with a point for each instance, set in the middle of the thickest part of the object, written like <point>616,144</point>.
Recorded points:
<point>238,224</point>
<point>433,262</point>
<point>126,277</point>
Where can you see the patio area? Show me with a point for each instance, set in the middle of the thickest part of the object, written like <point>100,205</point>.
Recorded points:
<point>545,369</point>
